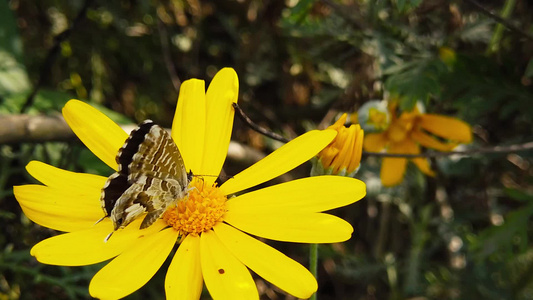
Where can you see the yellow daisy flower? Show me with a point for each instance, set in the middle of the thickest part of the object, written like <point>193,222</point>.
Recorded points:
<point>343,155</point>
<point>211,228</point>
<point>407,133</point>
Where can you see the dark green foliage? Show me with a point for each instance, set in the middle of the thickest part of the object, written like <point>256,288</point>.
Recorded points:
<point>465,234</point>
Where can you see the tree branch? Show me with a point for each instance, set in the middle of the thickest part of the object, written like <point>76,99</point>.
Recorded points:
<point>34,129</point>
<point>18,129</point>
<point>485,150</point>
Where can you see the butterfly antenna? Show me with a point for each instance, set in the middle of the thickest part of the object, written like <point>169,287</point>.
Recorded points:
<point>101,219</point>
<point>108,237</point>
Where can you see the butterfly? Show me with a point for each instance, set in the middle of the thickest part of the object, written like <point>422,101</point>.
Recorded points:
<point>151,176</point>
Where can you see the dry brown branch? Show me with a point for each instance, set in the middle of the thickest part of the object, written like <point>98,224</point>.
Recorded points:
<point>34,129</point>
<point>37,129</point>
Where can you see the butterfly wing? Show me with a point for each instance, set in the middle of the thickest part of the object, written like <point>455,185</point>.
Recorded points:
<point>151,176</point>
<point>157,155</point>
<point>147,194</point>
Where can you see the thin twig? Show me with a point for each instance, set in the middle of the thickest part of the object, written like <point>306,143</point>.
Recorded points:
<point>486,150</point>
<point>52,55</point>
<point>256,127</point>
<point>171,68</point>
<point>500,20</point>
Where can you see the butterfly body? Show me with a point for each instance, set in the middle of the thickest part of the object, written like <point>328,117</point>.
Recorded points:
<point>151,176</point>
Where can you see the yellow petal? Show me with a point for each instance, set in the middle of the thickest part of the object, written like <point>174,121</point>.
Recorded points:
<point>59,209</point>
<point>284,159</point>
<point>311,194</point>
<point>423,165</point>
<point>347,150</point>
<point>184,276</point>
<point>327,156</point>
<point>85,247</point>
<point>375,142</point>
<point>430,142</point>
<point>221,94</point>
<point>445,127</point>
<point>225,276</point>
<point>292,227</point>
<point>134,267</point>
<point>339,123</point>
<point>356,160</point>
<point>392,170</point>
<point>268,262</point>
<point>188,127</point>
<point>101,135</point>
<point>63,179</point>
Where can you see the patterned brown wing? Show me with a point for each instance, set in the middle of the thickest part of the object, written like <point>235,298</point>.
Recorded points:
<point>157,156</point>
<point>114,187</point>
<point>151,176</point>
<point>148,194</point>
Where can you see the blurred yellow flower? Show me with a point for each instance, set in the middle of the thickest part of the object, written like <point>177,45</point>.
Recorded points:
<point>374,116</point>
<point>407,133</point>
<point>210,227</point>
<point>447,55</point>
<point>343,155</point>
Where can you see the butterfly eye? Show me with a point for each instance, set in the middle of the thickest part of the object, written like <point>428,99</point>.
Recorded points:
<point>119,221</point>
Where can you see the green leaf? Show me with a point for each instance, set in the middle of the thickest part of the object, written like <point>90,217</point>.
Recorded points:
<point>521,196</point>
<point>415,81</point>
<point>300,11</point>
<point>502,238</point>
<point>13,75</point>
<point>405,5</point>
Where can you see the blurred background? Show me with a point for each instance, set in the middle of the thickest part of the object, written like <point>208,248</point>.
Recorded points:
<point>464,234</point>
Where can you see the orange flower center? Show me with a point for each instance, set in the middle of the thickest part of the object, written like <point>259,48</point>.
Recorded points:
<point>199,212</point>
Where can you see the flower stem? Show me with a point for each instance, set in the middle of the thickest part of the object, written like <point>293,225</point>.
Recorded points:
<point>313,263</point>
<point>498,31</point>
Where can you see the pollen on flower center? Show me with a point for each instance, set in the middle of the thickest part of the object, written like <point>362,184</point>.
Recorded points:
<point>200,211</point>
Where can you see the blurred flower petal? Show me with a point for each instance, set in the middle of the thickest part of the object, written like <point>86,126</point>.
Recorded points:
<point>430,142</point>
<point>445,127</point>
<point>375,142</point>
